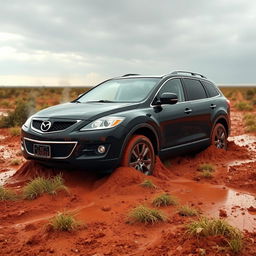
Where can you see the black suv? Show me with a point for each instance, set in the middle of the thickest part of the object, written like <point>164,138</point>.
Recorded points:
<point>129,120</point>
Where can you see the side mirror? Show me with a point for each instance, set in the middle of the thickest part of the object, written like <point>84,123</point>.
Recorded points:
<point>168,98</point>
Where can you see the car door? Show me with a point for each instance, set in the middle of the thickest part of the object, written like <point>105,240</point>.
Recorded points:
<point>172,118</point>
<point>199,125</point>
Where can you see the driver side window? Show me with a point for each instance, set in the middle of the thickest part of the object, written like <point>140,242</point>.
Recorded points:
<point>173,86</point>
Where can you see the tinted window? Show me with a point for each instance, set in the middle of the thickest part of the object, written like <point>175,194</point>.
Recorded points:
<point>121,90</point>
<point>173,86</point>
<point>211,89</point>
<point>194,89</point>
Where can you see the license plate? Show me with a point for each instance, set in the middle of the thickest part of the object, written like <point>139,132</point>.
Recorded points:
<point>41,150</point>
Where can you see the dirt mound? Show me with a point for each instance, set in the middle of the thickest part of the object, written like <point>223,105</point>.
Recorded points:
<point>30,170</point>
<point>122,177</point>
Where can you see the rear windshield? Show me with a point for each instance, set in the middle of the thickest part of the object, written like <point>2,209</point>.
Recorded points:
<point>121,90</point>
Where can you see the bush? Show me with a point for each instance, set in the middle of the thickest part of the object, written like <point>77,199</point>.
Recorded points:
<point>165,200</point>
<point>41,185</point>
<point>63,222</point>
<point>243,106</point>
<point>146,215</point>
<point>17,117</point>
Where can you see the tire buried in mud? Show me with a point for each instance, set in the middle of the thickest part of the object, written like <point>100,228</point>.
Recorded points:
<point>139,154</point>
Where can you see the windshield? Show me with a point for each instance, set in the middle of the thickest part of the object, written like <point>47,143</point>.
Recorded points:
<point>121,90</point>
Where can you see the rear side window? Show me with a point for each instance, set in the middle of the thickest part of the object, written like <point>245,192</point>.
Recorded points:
<point>211,89</point>
<point>194,89</point>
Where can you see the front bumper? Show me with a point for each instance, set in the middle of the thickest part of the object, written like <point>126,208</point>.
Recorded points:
<point>75,148</point>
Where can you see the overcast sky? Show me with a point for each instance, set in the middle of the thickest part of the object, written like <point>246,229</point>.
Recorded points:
<point>82,42</point>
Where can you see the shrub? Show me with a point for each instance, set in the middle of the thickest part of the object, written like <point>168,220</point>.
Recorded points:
<point>188,211</point>
<point>165,200</point>
<point>146,215</point>
<point>243,106</point>
<point>148,184</point>
<point>64,222</point>
<point>7,194</point>
<point>42,185</point>
<point>17,117</point>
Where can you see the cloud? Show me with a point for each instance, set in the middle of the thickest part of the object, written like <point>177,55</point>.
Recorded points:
<point>108,38</point>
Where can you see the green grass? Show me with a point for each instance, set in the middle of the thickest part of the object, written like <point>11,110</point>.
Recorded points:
<point>7,194</point>
<point>188,211</point>
<point>15,162</point>
<point>206,167</point>
<point>243,106</point>
<point>148,184</point>
<point>41,185</point>
<point>146,215</point>
<point>250,122</point>
<point>206,174</point>
<point>15,131</point>
<point>164,200</point>
<point>64,222</point>
<point>213,227</point>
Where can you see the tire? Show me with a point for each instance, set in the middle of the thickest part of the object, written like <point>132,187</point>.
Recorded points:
<point>139,154</point>
<point>219,137</point>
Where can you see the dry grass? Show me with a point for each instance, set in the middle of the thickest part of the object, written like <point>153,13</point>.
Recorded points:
<point>64,222</point>
<point>213,227</point>
<point>146,215</point>
<point>42,185</point>
<point>188,211</point>
<point>7,194</point>
<point>164,200</point>
<point>148,184</point>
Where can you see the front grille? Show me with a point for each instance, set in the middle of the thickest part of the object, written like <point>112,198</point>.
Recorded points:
<point>56,125</point>
<point>59,150</point>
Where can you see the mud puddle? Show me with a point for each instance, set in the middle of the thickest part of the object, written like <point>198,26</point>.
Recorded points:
<point>245,140</point>
<point>4,176</point>
<point>216,199</point>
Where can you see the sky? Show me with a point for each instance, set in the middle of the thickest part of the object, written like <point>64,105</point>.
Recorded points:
<point>83,42</point>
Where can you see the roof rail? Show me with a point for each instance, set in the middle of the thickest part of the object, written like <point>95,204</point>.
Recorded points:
<point>130,75</point>
<point>188,72</point>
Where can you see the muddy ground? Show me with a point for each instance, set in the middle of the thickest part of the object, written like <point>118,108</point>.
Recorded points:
<point>102,204</point>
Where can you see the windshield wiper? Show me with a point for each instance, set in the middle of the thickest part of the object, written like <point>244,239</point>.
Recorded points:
<point>103,101</point>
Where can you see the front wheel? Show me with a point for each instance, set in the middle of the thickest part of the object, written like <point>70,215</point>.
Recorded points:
<point>139,154</point>
<point>219,137</point>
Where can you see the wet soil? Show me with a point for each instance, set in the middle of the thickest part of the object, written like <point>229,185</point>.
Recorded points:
<point>102,204</point>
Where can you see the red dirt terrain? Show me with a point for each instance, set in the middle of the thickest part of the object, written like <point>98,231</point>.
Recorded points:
<point>102,204</point>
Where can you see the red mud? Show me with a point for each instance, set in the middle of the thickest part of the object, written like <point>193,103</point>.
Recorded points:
<point>102,204</point>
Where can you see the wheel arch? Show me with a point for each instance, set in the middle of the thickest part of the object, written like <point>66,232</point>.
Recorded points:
<point>224,121</point>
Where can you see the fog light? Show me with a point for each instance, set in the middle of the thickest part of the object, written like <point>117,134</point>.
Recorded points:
<point>101,149</point>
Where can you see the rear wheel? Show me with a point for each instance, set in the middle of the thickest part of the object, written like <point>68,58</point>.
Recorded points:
<point>139,154</point>
<point>219,137</point>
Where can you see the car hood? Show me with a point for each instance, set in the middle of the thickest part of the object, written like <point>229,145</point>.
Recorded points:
<point>84,111</point>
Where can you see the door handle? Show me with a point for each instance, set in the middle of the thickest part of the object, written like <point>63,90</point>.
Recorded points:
<point>188,110</point>
<point>213,106</point>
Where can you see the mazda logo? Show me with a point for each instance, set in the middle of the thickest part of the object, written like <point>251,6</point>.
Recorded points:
<point>45,126</point>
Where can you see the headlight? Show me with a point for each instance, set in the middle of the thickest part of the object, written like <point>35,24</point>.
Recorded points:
<point>103,123</point>
<point>27,123</point>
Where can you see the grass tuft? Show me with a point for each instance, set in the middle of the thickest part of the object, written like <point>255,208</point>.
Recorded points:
<point>164,200</point>
<point>148,184</point>
<point>7,194</point>
<point>15,131</point>
<point>188,211</point>
<point>15,162</point>
<point>206,174</point>
<point>42,185</point>
<point>64,222</point>
<point>213,227</point>
<point>146,215</point>
<point>206,167</point>
<point>250,122</point>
